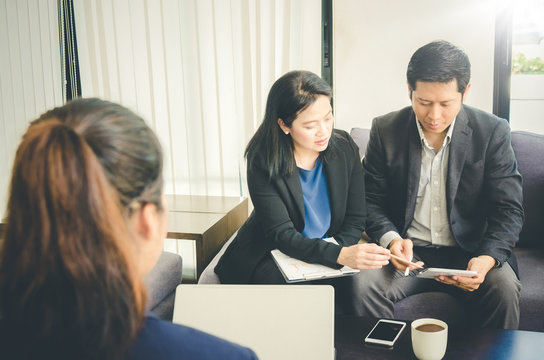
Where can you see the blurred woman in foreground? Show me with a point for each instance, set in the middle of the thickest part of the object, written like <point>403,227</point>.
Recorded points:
<point>86,220</point>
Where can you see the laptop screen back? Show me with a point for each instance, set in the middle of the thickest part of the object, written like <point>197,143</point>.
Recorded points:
<point>276,321</point>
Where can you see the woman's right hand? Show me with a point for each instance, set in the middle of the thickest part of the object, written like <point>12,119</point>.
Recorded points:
<point>364,256</point>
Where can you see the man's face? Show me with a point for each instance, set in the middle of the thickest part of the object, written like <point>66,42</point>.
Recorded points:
<point>436,104</point>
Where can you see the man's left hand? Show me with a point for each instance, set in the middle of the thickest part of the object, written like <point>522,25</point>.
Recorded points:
<point>481,264</point>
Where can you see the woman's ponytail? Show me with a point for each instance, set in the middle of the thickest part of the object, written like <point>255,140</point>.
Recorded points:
<point>67,278</point>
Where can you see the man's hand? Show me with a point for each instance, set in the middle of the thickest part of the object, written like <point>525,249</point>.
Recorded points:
<point>363,256</point>
<point>404,249</point>
<point>481,264</point>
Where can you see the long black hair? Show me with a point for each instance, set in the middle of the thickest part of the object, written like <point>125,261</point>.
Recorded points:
<point>290,94</point>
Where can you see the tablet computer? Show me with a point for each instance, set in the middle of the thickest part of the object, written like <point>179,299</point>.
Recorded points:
<point>431,273</point>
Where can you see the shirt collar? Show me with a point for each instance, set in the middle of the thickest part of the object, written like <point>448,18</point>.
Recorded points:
<point>447,139</point>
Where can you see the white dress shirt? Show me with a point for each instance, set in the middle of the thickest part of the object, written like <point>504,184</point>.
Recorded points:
<point>430,225</point>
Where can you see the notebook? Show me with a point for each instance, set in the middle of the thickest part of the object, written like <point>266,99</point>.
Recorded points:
<point>276,321</point>
<point>295,270</point>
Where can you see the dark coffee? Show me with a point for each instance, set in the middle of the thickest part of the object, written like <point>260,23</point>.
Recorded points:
<point>430,328</point>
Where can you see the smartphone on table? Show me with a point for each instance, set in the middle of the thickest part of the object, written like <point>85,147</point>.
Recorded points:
<point>385,332</point>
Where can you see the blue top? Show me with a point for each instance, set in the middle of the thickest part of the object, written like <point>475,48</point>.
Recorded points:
<point>157,340</point>
<point>317,208</point>
<point>160,339</point>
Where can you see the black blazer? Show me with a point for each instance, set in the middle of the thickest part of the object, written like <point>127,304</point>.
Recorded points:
<point>278,216</point>
<point>483,189</point>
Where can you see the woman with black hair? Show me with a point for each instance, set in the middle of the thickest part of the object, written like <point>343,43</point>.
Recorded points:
<point>306,184</point>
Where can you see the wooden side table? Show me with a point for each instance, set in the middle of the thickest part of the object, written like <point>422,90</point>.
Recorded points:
<point>208,220</point>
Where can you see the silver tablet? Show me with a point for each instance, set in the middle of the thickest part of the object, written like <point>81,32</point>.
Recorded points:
<point>431,273</point>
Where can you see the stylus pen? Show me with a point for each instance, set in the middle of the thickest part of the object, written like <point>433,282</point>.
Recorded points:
<point>406,261</point>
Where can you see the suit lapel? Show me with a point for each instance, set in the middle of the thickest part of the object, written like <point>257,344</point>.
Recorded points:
<point>460,143</point>
<point>295,188</point>
<point>414,170</point>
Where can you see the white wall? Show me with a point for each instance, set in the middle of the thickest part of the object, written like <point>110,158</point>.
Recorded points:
<point>374,40</point>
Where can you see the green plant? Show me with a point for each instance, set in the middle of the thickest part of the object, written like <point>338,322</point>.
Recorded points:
<point>522,65</point>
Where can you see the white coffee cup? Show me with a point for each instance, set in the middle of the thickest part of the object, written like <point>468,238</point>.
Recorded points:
<point>430,340</point>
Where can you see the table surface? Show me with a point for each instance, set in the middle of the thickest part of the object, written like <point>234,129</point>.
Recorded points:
<point>202,203</point>
<point>462,343</point>
<point>182,224</point>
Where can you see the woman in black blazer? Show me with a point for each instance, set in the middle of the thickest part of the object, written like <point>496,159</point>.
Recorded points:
<point>297,136</point>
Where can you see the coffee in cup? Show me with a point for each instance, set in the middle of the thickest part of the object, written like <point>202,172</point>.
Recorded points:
<point>430,327</point>
<point>429,338</point>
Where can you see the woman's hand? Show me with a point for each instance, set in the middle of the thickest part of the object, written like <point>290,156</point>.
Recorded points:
<point>363,256</point>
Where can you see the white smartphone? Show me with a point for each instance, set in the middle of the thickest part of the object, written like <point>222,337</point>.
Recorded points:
<point>385,332</point>
<point>431,273</point>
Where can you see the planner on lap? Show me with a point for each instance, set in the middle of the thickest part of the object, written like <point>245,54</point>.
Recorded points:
<point>295,270</point>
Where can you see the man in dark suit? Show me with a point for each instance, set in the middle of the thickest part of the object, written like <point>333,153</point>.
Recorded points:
<point>442,187</point>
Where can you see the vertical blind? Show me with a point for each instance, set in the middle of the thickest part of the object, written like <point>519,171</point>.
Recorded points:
<point>30,73</point>
<point>198,71</point>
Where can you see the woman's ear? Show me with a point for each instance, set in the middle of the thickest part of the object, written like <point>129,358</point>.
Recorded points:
<point>148,226</point>
<point>145,221</point>
<point>283,127</point>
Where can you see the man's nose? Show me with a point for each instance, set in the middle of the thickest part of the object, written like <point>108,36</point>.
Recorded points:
<point>435,112</point>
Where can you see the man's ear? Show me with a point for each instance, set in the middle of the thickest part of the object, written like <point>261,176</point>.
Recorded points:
<point>409,92</point>
<point>283,127</point>
<point>466,92</point>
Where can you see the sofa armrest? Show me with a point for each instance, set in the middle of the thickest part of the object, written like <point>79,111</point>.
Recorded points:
<point>209,276</point>
<point>161,283</point>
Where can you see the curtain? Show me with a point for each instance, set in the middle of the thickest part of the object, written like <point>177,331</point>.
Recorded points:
<point>30,73</point>
<point>198,71</point>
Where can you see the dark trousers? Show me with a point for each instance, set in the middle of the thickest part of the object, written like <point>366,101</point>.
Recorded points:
<point>494,304</point>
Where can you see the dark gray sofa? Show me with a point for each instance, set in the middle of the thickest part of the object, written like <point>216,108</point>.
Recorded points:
<point>529,150</point>
<point>161,283</point>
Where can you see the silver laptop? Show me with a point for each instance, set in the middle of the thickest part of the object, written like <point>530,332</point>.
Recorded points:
<point>276,321</point>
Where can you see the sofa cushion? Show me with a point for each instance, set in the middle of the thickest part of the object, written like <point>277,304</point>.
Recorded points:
<point>161,283</point>
<point>529,149</point>
<point>531,303</point>
<point>360,136</point>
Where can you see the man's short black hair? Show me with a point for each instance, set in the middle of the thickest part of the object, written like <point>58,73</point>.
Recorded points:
<point>439,61</point>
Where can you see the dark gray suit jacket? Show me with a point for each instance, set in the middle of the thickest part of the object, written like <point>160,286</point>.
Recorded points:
<point>277,220</point>
<point>483,189</point>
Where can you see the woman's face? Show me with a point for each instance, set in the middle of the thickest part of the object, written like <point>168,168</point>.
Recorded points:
<point>312,128</point>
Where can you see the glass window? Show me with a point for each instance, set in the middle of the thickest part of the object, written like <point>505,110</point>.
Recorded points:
<point>527,80</point>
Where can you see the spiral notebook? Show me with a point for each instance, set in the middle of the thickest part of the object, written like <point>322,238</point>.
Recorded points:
<point>295,270</point>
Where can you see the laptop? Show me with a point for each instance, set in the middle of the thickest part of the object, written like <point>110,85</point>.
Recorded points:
<point>276,321</point>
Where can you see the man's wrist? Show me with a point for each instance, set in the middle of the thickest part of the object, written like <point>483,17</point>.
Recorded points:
<point>490,260</point>
<point>498,264</point>
<point>386,238</point>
